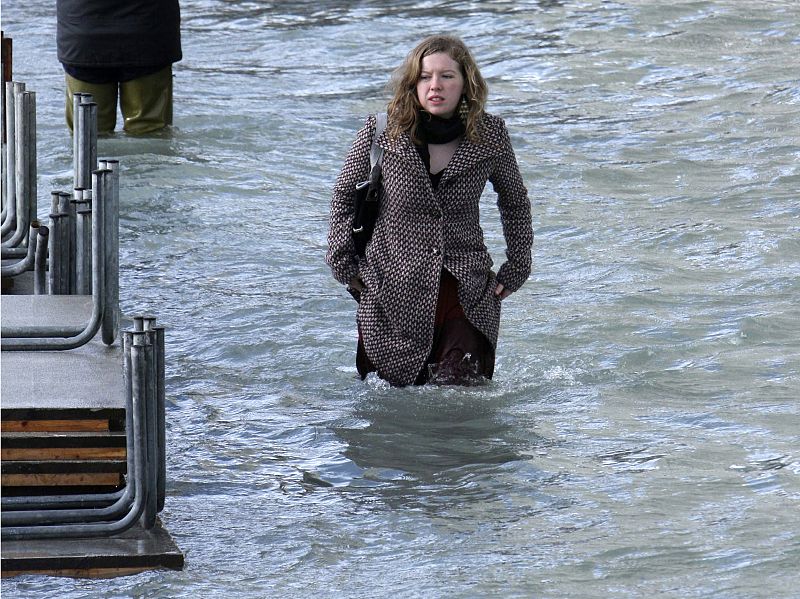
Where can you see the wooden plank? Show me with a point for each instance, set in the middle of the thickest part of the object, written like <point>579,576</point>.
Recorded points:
<point>64,466</point>
<point>63,453</point>
<point>25,491</point>
<point>60,480</point>
<point>51,413</point>
<point>61,426</point>
<point>47,439</point>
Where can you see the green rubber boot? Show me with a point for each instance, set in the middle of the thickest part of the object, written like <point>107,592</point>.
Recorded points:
<point>147,102</point>
<point>104,94</point>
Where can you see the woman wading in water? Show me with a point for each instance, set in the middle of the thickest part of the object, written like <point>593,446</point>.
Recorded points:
<point>430,302</point>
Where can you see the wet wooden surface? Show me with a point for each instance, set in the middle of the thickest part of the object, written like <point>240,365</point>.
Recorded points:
<point>128,553</point>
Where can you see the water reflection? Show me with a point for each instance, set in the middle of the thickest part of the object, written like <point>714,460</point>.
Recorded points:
<point>434,445</point>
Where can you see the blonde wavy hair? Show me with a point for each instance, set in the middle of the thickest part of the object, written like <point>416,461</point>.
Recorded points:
<point>404,106</point>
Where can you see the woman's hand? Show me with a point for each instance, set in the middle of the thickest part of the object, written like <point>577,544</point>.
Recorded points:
<point>501,292</point>
<point>357,284</point>
<point>355,288</point>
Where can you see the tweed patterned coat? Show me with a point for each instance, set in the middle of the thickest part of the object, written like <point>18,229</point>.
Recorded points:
<point>418,232</point>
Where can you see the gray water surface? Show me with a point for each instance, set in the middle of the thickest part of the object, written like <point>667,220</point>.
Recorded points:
<point>640,438</point>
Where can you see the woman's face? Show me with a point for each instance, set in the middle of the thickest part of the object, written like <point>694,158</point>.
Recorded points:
<point>440,85</point>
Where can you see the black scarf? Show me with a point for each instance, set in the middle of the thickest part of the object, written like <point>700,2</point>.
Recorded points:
<point>432,129</point>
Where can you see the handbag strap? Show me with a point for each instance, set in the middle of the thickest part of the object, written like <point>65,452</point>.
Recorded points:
<point>376,151</point>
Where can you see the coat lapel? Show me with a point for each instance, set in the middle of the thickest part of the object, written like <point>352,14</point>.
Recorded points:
<point>403,148</point>
<point>466,156</point>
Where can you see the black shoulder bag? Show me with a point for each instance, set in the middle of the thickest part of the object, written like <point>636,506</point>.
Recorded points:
<point>369,192</point>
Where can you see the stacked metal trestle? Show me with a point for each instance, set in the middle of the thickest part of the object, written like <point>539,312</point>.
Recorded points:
<point>78,255</point>
<point>139,501</point>
<point>74,301</point>
<point>19,221</point>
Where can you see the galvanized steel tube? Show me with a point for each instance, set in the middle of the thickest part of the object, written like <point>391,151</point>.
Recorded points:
<point>83,251</point>
<point>35,511</point>
<point>81,174</point>
<point>21,168</point>
<point>158,444</point>
<point>40,262</point>
<point>73,245</point>
<point>92,499</point>
<point>76,101</point>
<point>110,327</point>
<point>57,221</point>
<point>161,424</point>
<point>151,437</point>
<point>9,172</point>
<point>55,196</point>
<point>27,262</point>
<point>65,242</point>
<point>33,188</point>
<point>91,136</point>
<point>3,192</point>
<point>55,201</point>
<point>84,139</point>
<point>34,339</point>
<point>133,515</point>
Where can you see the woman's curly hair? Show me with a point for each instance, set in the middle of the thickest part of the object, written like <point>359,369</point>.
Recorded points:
<point>404,106</point>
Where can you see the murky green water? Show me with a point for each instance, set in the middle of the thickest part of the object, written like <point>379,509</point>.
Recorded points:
<point>641,436</point>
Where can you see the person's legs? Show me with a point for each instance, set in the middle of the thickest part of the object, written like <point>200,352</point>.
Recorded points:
<point>103,94</point>
<point>462,355</point>
<point>146,102</point>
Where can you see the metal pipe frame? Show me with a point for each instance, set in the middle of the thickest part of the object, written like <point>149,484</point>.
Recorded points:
<point>156,429</point>
<point>30,511</point>
<point>148,323</point>
<point>73,243</point>
<point>91,137</point>
<point>161,405</point>
<point>110,325</point>
<point>78,171</point>
<point>28,261</point>
<point>64,244</point>
<point>155,451</point>
<point>3,149</point>
<point>84,139</point>
<point>89,500</point>
<point>25,165</point>
<point>57,222</point>
<point>40,262</point>
<point>140,351</point>
<point>67,242</point>
<point>33,157</point>
<point>55,284</point>
<point>53,338</point>
<point>9,169</point>
<point>83,249</point>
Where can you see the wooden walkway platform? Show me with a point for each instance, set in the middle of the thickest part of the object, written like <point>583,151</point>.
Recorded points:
<point>129,553</point>
<point>63,431</point>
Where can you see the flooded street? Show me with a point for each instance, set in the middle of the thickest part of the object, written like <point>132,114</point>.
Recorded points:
<point>640,438</point>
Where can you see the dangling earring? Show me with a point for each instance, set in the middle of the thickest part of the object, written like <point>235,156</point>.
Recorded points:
<point>463,109</point>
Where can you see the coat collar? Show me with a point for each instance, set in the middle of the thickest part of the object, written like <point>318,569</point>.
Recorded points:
<point>467,155</point>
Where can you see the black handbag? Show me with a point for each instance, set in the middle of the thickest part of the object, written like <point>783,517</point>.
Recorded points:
<point>369,192</point>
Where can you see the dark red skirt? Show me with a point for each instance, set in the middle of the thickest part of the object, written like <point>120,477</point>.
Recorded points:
<point>461,355</point>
